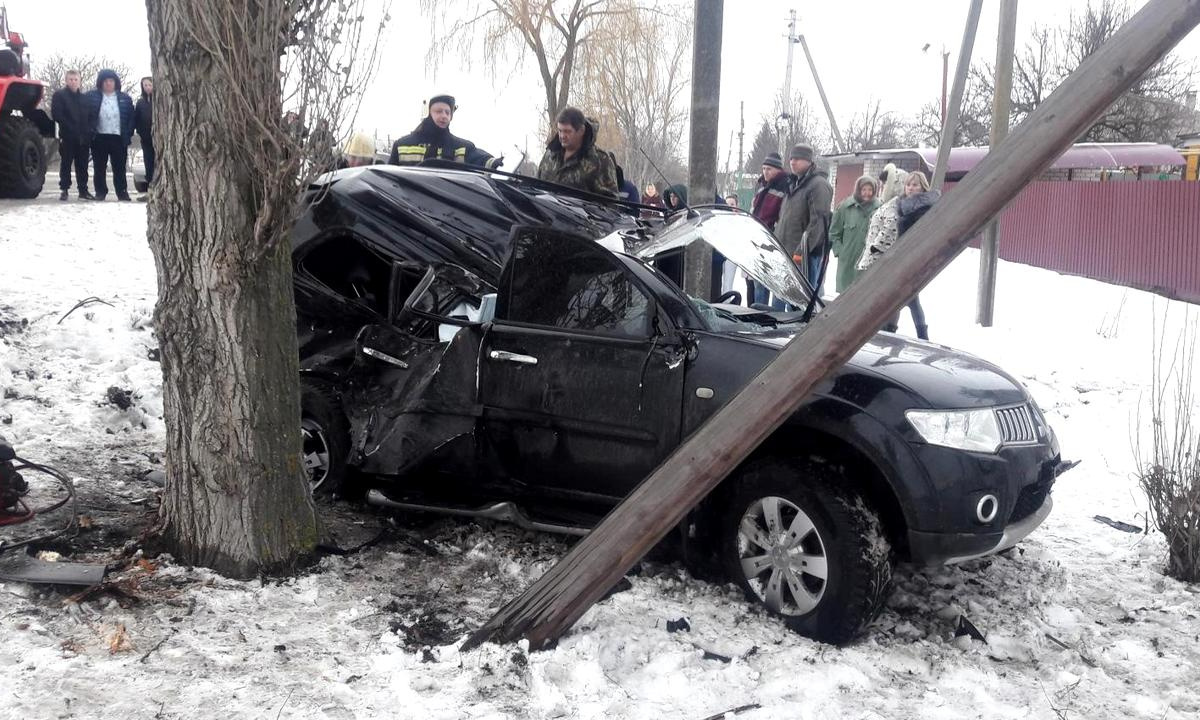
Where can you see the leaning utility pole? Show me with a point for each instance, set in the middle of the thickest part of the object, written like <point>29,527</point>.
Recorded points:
<point>989,247</point>
<point>950,124</point>
<point>563,593</point>
<point>702,147</point>
<point>840,144</point>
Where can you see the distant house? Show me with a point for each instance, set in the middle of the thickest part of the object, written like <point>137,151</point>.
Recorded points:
<point>1081,162</point>
<point>1075,220</point>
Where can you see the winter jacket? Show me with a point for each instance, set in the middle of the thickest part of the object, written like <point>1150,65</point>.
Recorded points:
<point>94,98</point>
<point>143,117</point>
<point>69,110</point>
<point>803,227</point>
<point>891,220</point>
<point>848,236</point>
<point>680,192</point>
<point>656,200</point>
<point>590,169</point>
<point>768,200</point>
<point>430,142</point>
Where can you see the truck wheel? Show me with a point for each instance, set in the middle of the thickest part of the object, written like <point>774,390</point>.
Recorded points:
<point>812,552</point>
<point>326,438</point>
<point>22,158</point>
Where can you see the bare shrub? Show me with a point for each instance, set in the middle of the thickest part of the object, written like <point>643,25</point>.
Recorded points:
<point>1170,477</point>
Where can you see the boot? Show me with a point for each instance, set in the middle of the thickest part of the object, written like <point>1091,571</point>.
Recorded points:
<point>63,196</point>
<point>124,197</point>
<point>85,195</point>
<point>923,332</point>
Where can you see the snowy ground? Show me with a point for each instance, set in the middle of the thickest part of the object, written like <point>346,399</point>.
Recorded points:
<point>1080,621</point>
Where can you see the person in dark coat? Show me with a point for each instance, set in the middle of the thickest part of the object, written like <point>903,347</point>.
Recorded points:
<point>432,140</point>
<point>768,201</point>
<point>652,196</point>
<point>110,125</point>
<point>803,227</point>
<point>675,198</point>
<point>626,190</point>
<point>144,123</point>
<point>68,110</point>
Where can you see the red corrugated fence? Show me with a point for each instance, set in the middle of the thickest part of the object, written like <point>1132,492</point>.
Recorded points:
<point>1142,234</point>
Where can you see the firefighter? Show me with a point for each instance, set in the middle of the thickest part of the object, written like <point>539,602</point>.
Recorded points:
<point>432,140</point>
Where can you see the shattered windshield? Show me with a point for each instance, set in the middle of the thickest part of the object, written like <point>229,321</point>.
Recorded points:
<point>743,241</point>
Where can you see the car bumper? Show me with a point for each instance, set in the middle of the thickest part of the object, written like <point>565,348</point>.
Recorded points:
<point>1020,479</point>
<point>950,548</point>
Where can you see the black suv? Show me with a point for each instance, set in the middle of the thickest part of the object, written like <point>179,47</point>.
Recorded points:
<point>492,346</point>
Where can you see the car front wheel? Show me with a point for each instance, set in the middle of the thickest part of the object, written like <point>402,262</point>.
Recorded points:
<point>325,436</point>
<point>811,551</point>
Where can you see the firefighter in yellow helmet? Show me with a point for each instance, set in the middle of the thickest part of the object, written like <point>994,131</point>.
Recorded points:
<point>432,140</point>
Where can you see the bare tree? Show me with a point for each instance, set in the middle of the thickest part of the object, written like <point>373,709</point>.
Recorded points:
<point>231,170</point>
<point>796,123</point>
<point>51,70</point>
<point>974,122</point>
<point>552,32</point>
<point>643,105</point>
<point>874,129</point>
<point>1155,109</point>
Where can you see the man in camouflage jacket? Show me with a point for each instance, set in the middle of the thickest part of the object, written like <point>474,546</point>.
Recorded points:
<point>572,158</point>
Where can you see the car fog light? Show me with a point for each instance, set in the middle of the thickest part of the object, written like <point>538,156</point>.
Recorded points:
<point>986,509</point>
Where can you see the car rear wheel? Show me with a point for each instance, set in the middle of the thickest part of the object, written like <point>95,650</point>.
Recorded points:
<point>796,541</point>
<point>326,438</point>
<point>22,158</point>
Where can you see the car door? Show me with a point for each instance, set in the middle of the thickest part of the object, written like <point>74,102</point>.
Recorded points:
<point>581,388</point>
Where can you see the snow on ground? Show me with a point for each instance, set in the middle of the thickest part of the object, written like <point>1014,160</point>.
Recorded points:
<point>1080,620</point>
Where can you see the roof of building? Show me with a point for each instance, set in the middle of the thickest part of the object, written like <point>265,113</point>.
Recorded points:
<point>1079,156</point>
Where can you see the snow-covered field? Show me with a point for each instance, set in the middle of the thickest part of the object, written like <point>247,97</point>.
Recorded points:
<point>1080,620</point>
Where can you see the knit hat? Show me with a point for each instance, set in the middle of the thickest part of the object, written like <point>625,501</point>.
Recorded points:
<point>802,152</point>
<point>448,99</point>
<point>773,160</point>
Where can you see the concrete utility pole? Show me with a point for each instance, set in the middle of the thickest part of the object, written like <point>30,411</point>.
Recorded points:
<point>741,146</point>
<point>564,592</point>
<point>989,247</point>
<point>950,124</point>
<point>837,134</point>
<point>785,93</point>
<point>702,146</point>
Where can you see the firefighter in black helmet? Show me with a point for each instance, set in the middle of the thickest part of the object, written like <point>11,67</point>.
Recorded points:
<point>432,140</point>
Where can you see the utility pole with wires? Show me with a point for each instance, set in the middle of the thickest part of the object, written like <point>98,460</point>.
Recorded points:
<point>785,93</point>
<point>741,146</point>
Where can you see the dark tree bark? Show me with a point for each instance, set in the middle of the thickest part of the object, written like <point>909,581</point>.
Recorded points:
<point>236,498</point>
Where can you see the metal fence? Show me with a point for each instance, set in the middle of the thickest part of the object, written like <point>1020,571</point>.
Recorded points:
<point>1142,234</point>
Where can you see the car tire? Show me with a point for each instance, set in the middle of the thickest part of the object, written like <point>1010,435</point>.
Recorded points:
<point>820,529</point>
<point>22,158</point>
<point>325,435</point>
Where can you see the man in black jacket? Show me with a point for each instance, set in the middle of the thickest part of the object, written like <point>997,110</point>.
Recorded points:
<point>66,107</point>
<point>143,122</point>
<point>432,140</point>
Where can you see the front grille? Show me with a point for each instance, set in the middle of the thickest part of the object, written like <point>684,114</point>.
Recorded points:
<point>1031,498</point>
<point>1016,425</point>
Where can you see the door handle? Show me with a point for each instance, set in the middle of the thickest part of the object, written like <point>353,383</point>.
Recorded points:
<point>506,356</point>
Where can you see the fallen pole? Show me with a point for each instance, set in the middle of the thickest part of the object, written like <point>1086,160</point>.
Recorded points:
<point>564,593</point>
<point>954,110</point>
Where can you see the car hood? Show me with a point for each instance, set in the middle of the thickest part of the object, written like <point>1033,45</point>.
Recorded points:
<point>943,377</point>
<point>741,239</point>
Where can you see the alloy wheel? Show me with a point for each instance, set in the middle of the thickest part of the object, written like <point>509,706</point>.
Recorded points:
<point>315,453</point>
<point>782,556</point>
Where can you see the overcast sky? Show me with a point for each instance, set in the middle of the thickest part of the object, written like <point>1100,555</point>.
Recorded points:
<point>864,49</point>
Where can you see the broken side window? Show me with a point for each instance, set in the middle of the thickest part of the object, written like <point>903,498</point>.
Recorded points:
<point>345,266</point>
<point>572,285</point>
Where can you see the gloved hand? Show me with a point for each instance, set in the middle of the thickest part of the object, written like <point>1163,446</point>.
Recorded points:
<point>497,162</point>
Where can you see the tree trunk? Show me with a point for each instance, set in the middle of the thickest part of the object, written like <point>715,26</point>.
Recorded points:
<point>236,498</point>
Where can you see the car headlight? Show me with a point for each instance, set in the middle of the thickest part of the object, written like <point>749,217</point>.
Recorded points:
<point>974,430</point>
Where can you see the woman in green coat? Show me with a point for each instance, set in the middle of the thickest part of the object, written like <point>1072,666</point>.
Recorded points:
<point>848,232</point>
